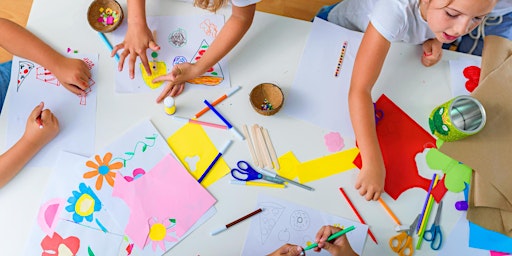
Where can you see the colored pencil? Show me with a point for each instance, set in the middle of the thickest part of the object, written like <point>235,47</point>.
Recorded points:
<point>217,101</point>
<point>230,127</point>
<point>420,220</point>
<point>388,210</point>
<point>357,214</point>
<point>236,222</point>
<point>193,121</point>
<point>259,184</point>
<point>109,46</point>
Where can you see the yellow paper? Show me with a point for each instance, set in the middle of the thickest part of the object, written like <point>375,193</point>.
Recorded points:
<point>318,168</point>
<point>192,141</point>
<point>160,69</point>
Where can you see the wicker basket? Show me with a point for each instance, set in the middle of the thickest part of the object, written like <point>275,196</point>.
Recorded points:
<point>266,99</point>
<point>95,10</point>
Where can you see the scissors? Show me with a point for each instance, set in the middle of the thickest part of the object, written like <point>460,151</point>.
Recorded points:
<point>245,172</point>
<point>402,243</point>
<point>434,234</point>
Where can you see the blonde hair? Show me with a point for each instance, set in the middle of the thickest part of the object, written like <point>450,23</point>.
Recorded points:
<point>210,5</point>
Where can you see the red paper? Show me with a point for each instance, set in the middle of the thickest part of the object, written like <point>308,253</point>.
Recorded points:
<point>400,139</point>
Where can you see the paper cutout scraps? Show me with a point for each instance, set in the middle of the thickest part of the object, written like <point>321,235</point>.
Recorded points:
<point>456,173</point>
<point>83,203</point>
<point>472,73</point>
<point>137,173</point>
<point>334,141</point>
<point>167,190</point>
<point>319,168</point>
<point>400,139</point>
<point>160,231</point>
<point>48,214</point>
<point>56,245</point>
<point>213,76</point>
<point>23,70</point>
<point>104,169</point>
<point>190,141</point>
<point>159,70</point>
<point>493,253</point>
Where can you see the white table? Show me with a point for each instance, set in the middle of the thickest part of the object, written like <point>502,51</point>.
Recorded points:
<point>269,52</point>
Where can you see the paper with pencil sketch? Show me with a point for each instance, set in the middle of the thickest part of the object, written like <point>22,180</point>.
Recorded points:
<point>31,84</point>
<point>320,91</point>
<point>284,222</point>
<point>181,39</point>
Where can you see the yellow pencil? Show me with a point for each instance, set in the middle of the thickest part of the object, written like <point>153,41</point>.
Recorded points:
<point>259,184</point>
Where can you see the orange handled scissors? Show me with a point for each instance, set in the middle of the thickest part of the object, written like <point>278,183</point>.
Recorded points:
<point>402,243</point>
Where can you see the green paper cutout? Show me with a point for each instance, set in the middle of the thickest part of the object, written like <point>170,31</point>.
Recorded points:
<point>456,173</point>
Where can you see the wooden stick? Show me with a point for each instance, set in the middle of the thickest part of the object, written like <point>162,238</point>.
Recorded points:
<point>250,145</point>
<point>257,146</point>
<point>273,154</point>
<point>264,150</point>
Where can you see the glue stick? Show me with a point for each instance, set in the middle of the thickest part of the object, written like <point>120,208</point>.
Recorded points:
<point>170,107</point>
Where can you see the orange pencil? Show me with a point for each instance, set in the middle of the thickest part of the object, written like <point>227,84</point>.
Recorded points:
<point>388,210</point>
<point>217,101</point>
<point>357,214</point>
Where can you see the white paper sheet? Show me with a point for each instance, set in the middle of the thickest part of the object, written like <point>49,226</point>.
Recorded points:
<point>457,241</point>
<point>180,39</point>
<point>76,115</point>
<point>284,222</point>
<point>317,95</point>
<point>458,81</point>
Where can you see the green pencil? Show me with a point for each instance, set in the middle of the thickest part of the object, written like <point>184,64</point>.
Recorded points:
<point>332,237</point>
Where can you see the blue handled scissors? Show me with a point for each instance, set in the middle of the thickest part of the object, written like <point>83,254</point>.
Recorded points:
<point>245,172</point>
<point>402,243</point>
<point>434,234</point>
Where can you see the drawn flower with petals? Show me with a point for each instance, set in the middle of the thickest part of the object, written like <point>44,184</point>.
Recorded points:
<point>103,169</point>
<point>83,204</point>
<point>159,233</point>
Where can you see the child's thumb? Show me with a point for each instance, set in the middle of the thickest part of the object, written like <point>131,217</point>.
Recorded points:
<point>37,111</point>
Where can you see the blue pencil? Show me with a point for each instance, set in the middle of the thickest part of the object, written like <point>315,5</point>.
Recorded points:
<point>109,46</point>
<point>230,127</point>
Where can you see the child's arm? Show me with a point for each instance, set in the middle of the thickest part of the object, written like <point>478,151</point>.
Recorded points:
<point>231,33</point>
<point>137,40</point>
<point>30,143</point>
<point>72,73</point>
<point>368,64</point>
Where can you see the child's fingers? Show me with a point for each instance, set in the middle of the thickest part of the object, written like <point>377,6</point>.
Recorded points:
<point>37,111</point>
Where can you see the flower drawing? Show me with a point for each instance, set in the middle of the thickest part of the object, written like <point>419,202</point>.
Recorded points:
<point>83,204</point>
<point>159,233</point>
<point>103,169</point>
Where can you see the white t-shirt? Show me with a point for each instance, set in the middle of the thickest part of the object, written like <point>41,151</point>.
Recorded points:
<point>396,20</point>
<point>502,7</point>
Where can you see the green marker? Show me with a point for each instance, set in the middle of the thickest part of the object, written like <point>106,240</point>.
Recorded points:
<point>332,237</point>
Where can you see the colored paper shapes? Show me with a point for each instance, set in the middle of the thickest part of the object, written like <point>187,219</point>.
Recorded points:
<point>334,141</point>
<point>23,70</point>
<point>456,173</point>
<point>166,191</point>
<point>400,139</point>
<point>159,70</point>
<point>48,215</point>
<point>190,141</point>
<point>319,168</point>
<point>56,245</point>
<point>472,73</point>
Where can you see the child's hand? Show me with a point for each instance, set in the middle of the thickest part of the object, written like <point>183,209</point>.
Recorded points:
<point>73,74</point>
<point>370,181</point>
<point>338,247</point>
<point>176,80</point>
<point>137,40</point>
<point>287,250</point>
<point>432,52</point>
<point>34,134</point>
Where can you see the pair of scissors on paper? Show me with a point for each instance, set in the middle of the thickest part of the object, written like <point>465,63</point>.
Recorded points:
<point>245,172</point>
<point>434,234</point>
<point>402,243</point>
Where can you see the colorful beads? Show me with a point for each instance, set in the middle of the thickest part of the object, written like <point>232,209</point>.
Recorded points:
<point>108,16</point>
<point>266,105</point>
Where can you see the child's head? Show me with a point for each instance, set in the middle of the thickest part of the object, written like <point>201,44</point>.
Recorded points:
<point>211,5</point>
<point>451,19</point>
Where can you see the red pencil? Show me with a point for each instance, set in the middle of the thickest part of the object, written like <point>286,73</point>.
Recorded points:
<point>357,214</point>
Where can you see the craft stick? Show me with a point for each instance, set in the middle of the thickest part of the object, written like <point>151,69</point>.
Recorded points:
<point>388,210</point>
<point>250,145</point>
<point>357,214</point>
<point>257,147</point>
<point>271,149</point>
<point>420,220</point>
<point>264,148</point>
<point>217,101</point>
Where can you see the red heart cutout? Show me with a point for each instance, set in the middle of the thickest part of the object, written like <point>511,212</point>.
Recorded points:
<point>472,73</point>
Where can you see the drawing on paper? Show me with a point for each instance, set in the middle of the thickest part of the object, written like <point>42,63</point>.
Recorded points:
<point>46,76</point>
<point>103,168</point>
<point>56,245</point>
<point>209,28</point>
<point>269,218</point>
<point>136,173</point>
<point>299,220</point>
<point>179,59</point>
<point>24,69</point>
<point>160,231</point>
<point>213,75</point>
<point>160,69</point>
<point>83,204</point>
<point>143,147</point>
<point>47,216</point>
<point>178,38</point>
